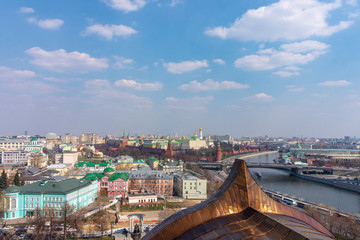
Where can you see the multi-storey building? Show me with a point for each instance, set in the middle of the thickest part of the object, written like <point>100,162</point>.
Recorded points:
<point>189,186</point>
<point>13,157</point>
<point>156,181</point>
<point>13,144</point>
<point>93,167</point>
<point>90,139</point>
<point>113,184</point>
<point>48,196</point>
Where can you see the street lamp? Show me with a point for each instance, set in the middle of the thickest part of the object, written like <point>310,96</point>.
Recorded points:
<point>165,195</point>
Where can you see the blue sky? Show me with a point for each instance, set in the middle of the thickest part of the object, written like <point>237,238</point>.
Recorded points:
<point>244,68</point>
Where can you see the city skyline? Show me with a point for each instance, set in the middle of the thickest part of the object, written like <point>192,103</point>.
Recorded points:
<point>174,66</point>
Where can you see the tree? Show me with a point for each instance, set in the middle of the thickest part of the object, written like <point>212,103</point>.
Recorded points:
<point>3,181</point>
<point>17,180</point>
<point>66,210</point>
<point>39,221</point>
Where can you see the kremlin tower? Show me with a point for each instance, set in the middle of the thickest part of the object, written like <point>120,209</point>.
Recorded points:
<point>169,152</point>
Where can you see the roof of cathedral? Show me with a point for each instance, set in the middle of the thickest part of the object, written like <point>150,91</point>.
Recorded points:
<point>240,209</point>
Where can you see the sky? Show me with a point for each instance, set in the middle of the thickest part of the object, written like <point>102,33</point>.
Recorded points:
<point>242,68</point>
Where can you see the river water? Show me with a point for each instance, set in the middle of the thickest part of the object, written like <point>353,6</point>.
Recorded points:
<point>281,181</point>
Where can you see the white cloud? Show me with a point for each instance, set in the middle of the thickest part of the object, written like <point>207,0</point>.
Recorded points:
<point>103,89</point>
<point>50,24</point>
<point>10,74</point>
<point>305,46</point>
<point>109,31</point>
<point>122,62</point>
<point>192,103</point>
<point>155,86</point>
<point>219,61</point>
<point>26,10</point>
<point>185,66</point>
<point>293,88</point>
<point>126,5</point>
<point>175,2</point>
<point>260,97</point>
<point>209,84</point>
<point>286,73</point>
<point>352,2</point>
<point>66,62</point>
<point>283,20</point>
<point>297,89</point>
<point>290,54</point>
<point>338,83</point>
<point>23,80</point>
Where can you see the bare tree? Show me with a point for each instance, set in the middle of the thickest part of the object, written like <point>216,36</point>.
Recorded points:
<point>39,221</point>
<point>50,216</point>
<point>102,220</point>
<point>66,210</point>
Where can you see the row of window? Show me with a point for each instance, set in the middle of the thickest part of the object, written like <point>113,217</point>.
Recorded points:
<point>54,199</point>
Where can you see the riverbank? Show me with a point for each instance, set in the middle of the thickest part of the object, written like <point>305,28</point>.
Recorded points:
<point>249,155</point>
<point>351,185</point>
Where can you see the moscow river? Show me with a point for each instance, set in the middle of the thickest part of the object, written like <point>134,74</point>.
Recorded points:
<point>281,181</point>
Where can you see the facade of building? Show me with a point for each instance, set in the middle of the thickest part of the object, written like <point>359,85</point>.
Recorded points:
<point>156,181</point>
<point>13,144</point>
<point>171,166</point>
<point>190,187</point>
<point>142,196</point>
<point>66,158</point>
<point>69,139</point>
<point>13,157</point>
<point>23,201</point>
<point>93,167</point>
<point>39,160</point>
<point>153,163</point>
<point>111,183</point>
<point>193,143</point>
<point>90,139</point>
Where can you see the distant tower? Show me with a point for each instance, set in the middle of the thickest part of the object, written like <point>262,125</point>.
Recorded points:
<point>26,133</point>
<point>124,142</point>
<point>200,133</point>
<point>169,152</point>
<point>218,152</point>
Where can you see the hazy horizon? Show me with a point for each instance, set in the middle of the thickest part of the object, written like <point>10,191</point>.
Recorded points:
<point>241,68</point>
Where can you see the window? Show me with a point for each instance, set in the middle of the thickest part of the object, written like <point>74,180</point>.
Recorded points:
<point>26,199</point>
<point>37,199</point>
<point>12,215</point>
<point>57,199</point>
<point>32,205</point>
<point>37,205</point>
<point>13,203</point>
<point>60,199</point>
<point>32,199</point>
<point>26,205</point>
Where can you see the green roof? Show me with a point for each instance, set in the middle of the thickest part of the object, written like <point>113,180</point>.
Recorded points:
<point>92,164</point>
<point>93,176</point>
<point>140,161</point>
<point>153,159</point>
<point>123,175</point>
<point>109,169</point>
<point>61,187</point>
<point>33,139</point>
<point>12,189</point>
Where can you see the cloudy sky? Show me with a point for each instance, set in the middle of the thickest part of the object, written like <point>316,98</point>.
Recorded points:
<point>244,68</point>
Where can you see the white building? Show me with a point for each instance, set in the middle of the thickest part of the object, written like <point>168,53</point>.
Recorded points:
<point>189,186</point>
<point>13,157</point>
<point>13,144</point>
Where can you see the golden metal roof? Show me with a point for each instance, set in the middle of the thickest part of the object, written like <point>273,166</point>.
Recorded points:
<point>239,210</point>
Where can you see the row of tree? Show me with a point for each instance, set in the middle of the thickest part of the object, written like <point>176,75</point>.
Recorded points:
<point>4,181</point>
